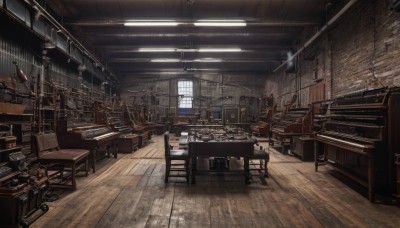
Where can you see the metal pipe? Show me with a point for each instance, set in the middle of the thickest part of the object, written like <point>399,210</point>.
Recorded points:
<point>316,35</point>
<point>65,32</point>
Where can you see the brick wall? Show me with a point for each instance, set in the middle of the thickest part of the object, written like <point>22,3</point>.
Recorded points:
<point>361,51</point>
<point>387,45</point>
<point>313,64</point>
<point>352,45</point>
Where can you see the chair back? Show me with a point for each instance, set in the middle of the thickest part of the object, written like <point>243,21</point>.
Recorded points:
<point>46,142</point>
<point>166,144</point>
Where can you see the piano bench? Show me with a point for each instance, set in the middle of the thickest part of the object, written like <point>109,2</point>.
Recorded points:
<point>73,155</point>
<point>61,160</point>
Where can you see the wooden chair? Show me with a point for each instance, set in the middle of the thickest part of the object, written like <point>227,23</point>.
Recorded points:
<point>263,158</point>
<point>175,155</point>
<point>262,166</point>
<point>65,162</point>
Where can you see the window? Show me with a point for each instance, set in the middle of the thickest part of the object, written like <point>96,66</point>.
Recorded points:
<point>185,92</point>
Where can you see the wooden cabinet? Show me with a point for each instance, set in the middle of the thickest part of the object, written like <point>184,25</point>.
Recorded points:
<point>303,147</point>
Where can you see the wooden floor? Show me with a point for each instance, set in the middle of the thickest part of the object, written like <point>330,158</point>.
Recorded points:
<point>130,192</point>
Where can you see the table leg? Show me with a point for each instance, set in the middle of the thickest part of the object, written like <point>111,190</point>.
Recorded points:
<point>246,171</point>
<point>190,170</point>
<point>93,153</point>
<point>115,145</point>
<point>193,168</point>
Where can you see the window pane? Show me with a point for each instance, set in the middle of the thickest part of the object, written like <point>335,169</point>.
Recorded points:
<point>185,88</point>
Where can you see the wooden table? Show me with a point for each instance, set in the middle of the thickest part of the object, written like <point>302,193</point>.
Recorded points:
<point>236,148</point>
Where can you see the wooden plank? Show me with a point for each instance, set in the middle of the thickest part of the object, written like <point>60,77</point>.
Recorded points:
<point>130,192</point>
<point>85,209</point>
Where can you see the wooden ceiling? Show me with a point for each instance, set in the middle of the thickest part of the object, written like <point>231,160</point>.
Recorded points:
<point>273,28</point>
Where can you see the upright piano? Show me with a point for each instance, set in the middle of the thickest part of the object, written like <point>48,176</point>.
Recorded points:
<point>359,138</point>
<point>117,125</point>
<point>99,139</point>
<point>294,122</point>
<point>127,141</point>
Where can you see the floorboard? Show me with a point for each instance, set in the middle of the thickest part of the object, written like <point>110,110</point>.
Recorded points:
<point>130,192</point>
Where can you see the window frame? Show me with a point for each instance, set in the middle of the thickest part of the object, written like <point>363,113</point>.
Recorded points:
<point>185,101</point>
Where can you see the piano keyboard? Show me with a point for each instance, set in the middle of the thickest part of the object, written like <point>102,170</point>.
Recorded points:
<point>361,146</point>
<point>104,136</point>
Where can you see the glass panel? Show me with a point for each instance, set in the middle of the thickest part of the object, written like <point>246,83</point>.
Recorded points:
<point>185,92</point>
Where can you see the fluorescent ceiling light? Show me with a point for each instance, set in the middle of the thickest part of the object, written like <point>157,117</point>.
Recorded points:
<point>186,50</point>
<point>190,50</point>
<point>157,49</point>
<point>220,23</point>
<point>203,60</point>
<point>151,23</point>
<point>208,60</point>
<point>220,50</point>
<point>225,20</point>
<point>165,60</point>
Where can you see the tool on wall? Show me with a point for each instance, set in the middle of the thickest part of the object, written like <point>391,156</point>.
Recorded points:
<point>23,79</point>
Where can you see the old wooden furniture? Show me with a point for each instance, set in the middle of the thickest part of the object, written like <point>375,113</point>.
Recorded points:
<point>144,138</point>
<point>223,148</point>
<point>99,139</point>
<point>179,169</point>
<point>360,138</point>
<point>19,125</point>
<point>21,194</point>
<point>263,158</point>
<point>260,128</point>
<point>22,202</point>
<point>303,147</point>
<point>66,162</point>
<point>116,123</point>
<point>128,143</point>
<point>294,122</point>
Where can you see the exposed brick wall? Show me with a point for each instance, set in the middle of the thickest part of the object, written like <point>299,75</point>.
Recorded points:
<point>387,45</point>
<point>361,51</point>
<point>313,64</point>
<point>352,45</point>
